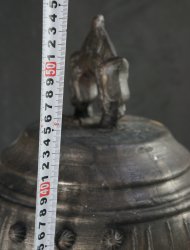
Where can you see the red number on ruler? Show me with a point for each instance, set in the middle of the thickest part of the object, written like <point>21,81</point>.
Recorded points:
<point>44,189</point>
<point>50,69</point>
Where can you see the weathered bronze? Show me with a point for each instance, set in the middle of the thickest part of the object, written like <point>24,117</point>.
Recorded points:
<point>124,186</point>
<point>96,69</point>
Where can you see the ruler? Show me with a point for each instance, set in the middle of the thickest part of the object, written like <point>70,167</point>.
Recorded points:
<point>55,15</point>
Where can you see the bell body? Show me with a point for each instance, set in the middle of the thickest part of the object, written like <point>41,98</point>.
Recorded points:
<point>122,188</point>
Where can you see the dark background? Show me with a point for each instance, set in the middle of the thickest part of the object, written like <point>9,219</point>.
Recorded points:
<point>153,35</point>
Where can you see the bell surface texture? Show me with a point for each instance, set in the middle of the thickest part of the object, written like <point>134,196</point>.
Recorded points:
<point>124,180</point>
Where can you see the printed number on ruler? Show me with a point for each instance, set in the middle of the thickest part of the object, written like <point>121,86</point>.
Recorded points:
<point>55,13</point>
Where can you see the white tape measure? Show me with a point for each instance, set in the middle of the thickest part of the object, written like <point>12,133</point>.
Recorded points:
<point>55,15</point>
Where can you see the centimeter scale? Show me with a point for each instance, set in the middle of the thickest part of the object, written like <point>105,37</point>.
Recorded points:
<point>55,15</point>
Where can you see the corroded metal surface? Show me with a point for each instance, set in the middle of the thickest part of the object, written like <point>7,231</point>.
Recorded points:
<point>124,182</point>
<point>122,188</point>
<point>96,70</point>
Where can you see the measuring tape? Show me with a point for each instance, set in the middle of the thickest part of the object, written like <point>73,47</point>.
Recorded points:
<point>55,15</point>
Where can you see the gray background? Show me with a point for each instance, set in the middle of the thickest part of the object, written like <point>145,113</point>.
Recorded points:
<point>153,35</point>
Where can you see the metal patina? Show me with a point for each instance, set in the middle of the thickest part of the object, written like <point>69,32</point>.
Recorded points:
<point>96,70</point>
<point>124,180</point>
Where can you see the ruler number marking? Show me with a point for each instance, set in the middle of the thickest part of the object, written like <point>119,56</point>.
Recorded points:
<point>54,47</point>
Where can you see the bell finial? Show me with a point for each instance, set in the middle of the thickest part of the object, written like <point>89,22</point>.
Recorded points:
<point>97,71</point>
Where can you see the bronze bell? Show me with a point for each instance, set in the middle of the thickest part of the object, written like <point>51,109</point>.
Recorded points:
<point>124,180</point>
